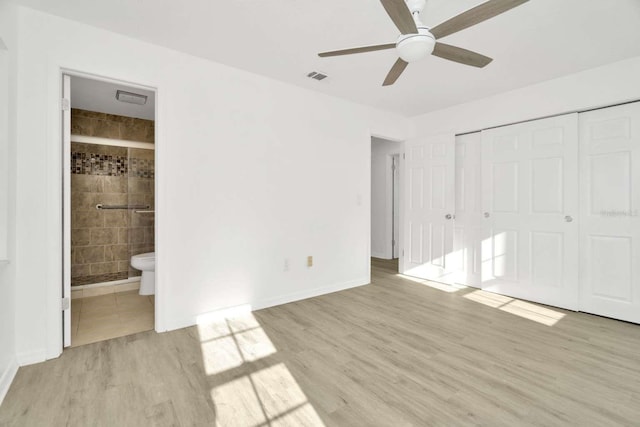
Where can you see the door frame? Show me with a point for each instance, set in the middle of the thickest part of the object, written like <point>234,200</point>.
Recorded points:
<point>396,206</point>
<point>389,159</point>
<point>64,149</point>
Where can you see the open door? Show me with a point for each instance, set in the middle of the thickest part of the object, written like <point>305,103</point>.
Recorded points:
<point>66,215</point>
<point>429,206</point>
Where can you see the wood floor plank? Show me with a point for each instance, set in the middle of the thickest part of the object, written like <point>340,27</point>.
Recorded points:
<point>398,352</point>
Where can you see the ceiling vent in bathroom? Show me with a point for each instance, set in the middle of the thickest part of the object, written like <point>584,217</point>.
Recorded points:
<point>131,98</point>
<point>317,75</point>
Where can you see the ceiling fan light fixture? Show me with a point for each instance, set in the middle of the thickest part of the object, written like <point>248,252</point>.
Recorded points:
<point>413,47</point>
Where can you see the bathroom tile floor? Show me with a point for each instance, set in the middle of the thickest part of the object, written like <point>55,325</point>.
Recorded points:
<point>109,316</point>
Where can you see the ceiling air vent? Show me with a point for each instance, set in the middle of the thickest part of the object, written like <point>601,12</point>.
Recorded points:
<point>131,98</point>
<point>317,75</point>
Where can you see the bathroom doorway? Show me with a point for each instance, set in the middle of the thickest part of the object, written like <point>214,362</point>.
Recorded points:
<point>386,236</point>
<point>109,209</point>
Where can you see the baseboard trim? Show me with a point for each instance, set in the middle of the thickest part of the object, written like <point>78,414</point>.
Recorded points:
<point>270,302</point>
<point>379,255</point>
<point>7,378</point>
<point>299,296</point>
<point>31,357</point>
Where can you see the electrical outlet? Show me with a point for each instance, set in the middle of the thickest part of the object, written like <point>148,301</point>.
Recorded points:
<point>286,264</point>
<point>310,261</point>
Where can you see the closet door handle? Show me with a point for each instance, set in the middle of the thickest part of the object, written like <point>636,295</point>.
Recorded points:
<point>448,216</point>
<point>487,214</point>
<point>568,218</point>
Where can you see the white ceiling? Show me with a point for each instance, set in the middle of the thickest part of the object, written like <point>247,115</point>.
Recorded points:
<point>537,41</point>
<point>100,96</point>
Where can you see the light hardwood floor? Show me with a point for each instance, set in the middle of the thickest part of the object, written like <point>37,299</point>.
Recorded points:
<point>395,353</point>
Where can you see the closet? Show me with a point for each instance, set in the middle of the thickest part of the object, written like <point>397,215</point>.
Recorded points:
<point>546,210</point>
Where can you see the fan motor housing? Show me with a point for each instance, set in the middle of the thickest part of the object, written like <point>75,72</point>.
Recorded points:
<point>413,47</point>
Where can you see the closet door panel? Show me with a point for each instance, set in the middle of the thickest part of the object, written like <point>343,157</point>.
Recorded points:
<point>610,212</point>
<point>530,211</point>
<point>468,208</point>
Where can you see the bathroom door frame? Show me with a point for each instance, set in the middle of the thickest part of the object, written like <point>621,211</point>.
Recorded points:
<point>65,75</point>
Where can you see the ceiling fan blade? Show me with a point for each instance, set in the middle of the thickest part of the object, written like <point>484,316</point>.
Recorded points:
<point>463,56</point>
<point>474,16</point>
<point>395,72</point>
<point>357,50</point>
<point>400,15</point>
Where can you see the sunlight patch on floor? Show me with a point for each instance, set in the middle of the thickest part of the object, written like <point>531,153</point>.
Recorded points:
<point>533,312</point>
<point>524,309</point>
<point>435,285</point>
<point>266,396</point>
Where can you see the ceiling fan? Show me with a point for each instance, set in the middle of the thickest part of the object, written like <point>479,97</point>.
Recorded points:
<point>416,40</point>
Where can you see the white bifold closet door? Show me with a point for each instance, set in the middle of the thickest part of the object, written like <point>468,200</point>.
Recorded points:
<point>610,212</point>
<point>467,232</point>
<point>429,207</point>
<point>530,207</point>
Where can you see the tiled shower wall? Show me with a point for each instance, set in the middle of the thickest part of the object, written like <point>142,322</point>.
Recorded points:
<point>103,241</point>
<point>90,123</point>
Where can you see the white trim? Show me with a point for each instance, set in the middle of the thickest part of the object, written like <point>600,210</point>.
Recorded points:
<point>112,142</point>
<point>31,357</point>
<point>270,302</point>
<point>105,284</point>
<point>7,378</point>
<point>4,262</point>
<point>380,255</point>
<point>297,296</point>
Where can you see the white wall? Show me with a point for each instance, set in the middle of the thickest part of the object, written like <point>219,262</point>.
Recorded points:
<point>597,87</point>
<point>250,171</point>
<point>381,196</point>
<point>8,32</point>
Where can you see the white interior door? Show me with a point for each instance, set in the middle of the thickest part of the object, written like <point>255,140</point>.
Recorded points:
<point>530,204</point>
<point>610,212</point>
<point>467,233</point>
<point>429,202</point>
<point>66,180</point>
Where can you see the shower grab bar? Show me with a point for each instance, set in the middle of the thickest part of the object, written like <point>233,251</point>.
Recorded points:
<point>100,206</point>
<point>149,211</point>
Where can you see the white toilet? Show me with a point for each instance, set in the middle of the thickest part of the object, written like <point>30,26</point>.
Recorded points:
<point>147,264</point>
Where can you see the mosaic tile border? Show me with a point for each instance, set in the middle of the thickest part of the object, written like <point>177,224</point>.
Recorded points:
<point>109,165</point>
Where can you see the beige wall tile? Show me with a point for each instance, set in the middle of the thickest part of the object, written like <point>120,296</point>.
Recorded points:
<point>84,200</point>
<point>142,220</point>
<point>87,218</point>
<point>106,129</point>
<point>124,265</point>
<point>104,236</point>
<point>136,235</point>
<point>80,236</point>
<point>104,268</point>
<point>117,253</point>
<point>140,185</point>
<point>83,126</point>
<point>123,235</point>
<point>116,218</point>
<point>87,254</point>
<point>80,270</point>
<point>113,198</point>
<point>114,184</point>
<point>86,183</point>
<point>136,131</point>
